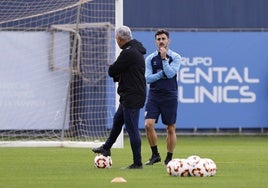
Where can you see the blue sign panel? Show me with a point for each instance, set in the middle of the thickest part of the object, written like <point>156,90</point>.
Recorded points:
<point>223,79</point>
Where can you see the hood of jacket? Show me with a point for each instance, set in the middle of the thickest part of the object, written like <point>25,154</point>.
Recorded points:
<point>135,44</point>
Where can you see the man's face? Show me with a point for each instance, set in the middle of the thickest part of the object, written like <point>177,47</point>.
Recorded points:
<point>161,41</point>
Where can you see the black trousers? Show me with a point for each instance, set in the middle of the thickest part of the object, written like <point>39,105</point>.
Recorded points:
<point>129,117</point>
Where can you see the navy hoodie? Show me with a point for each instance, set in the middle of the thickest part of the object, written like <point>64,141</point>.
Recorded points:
<point>129,71</point>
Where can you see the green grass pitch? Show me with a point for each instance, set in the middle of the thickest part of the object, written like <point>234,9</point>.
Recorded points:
<point>242,161</point>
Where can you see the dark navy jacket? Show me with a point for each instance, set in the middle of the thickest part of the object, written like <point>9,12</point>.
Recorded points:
<point>162,74</point>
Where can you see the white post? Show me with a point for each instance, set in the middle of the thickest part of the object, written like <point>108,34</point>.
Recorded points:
<point>118,22</point>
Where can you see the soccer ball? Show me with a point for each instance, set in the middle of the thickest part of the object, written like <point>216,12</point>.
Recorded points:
<point>191,166</point>
<point>193,160</point>
<point>173,167</point>
<point>178,167</point>
<point>101,161</point>
<point>211,165</point>
<point>200,169</point>
<point>184,167</point>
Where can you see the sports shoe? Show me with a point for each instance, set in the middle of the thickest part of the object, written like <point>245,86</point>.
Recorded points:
<point>101,150</point>
<point>154,159</point>
<point>167,161</point>
<point>135,166</point>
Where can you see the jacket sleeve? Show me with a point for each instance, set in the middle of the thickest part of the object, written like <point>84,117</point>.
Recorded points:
<point>171,69</point>
<point>119,66</point>
<point>149,76</point>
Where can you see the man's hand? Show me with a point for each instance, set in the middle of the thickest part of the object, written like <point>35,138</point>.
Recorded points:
<point>163,52</point>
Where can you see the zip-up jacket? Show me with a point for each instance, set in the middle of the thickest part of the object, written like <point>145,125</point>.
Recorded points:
<point>129,71</point>
<point>162,74</point>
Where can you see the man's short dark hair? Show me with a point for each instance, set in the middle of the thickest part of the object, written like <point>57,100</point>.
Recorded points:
<point>161,31</point>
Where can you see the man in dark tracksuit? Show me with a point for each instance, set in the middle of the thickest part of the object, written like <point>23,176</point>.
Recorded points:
<point>129,71</point>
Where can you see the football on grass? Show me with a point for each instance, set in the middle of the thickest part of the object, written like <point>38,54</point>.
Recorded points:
<point>211,166</point>
<point>178,167</point>
<point>191,166</point>
<point>200,169</point>
<point>193,160</point>
<point>101,161</point>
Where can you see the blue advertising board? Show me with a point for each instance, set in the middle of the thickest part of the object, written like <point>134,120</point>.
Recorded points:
<point>222,80</point>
